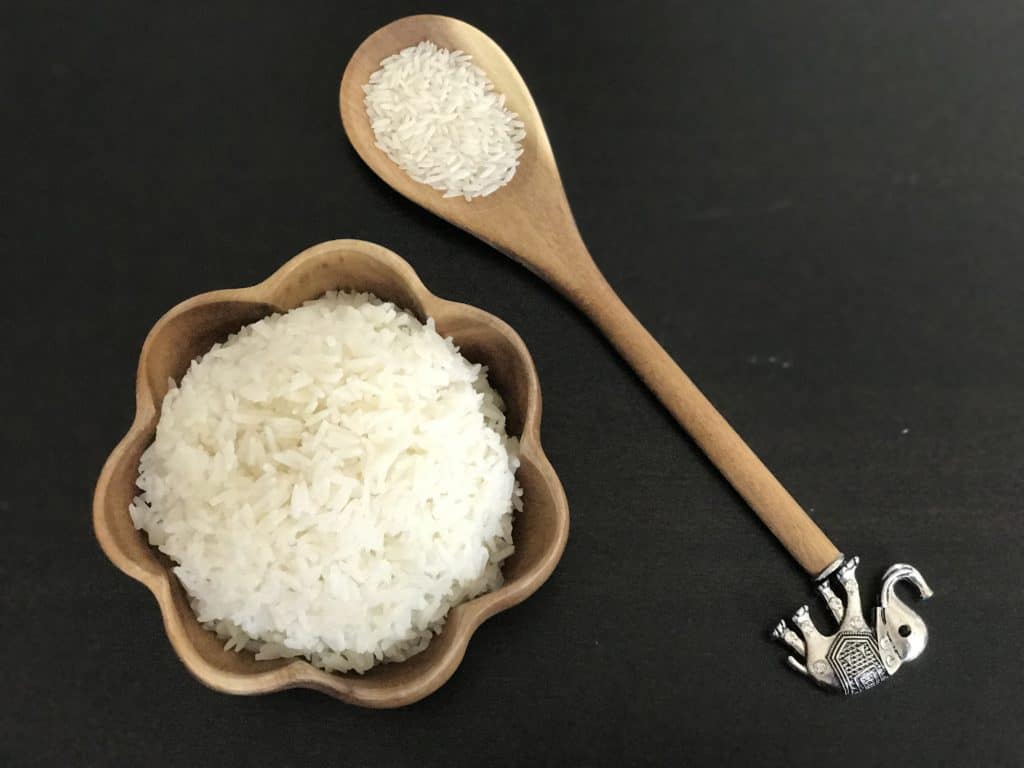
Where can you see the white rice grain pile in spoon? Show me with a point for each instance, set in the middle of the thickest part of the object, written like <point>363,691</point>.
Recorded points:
<point>439,118</point>
<point>329,482</point>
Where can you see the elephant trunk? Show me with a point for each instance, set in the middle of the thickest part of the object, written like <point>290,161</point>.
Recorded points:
<point>902,572</point>
<point>904,628</point>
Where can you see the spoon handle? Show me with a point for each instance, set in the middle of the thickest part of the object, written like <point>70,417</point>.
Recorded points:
<point>799,534</point>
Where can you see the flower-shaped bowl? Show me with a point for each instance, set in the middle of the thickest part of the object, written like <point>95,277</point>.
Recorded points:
<point>190,329</point>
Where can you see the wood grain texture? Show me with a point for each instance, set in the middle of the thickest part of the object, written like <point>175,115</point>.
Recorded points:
<point>189,329</point>
<point>530,220</point>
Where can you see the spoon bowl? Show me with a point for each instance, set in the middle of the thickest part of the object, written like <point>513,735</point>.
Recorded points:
<point>529,218</point>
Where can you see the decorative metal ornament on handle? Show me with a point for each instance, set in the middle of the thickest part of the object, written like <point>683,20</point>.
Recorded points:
<point>530,220</point>
<point>857,656</point>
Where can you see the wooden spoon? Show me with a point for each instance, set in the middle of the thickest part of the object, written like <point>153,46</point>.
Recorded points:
<point>529,219</point>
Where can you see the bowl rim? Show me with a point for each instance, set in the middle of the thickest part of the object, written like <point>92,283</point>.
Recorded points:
<point>462,623</point>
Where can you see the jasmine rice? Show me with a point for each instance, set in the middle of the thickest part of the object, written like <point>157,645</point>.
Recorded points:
<point>438,117</point>
<point>330,482</point>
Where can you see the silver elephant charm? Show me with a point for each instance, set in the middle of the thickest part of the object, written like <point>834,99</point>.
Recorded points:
<point>858,657</point>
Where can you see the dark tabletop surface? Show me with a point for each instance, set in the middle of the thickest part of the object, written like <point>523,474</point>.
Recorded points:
<point>816,207</point>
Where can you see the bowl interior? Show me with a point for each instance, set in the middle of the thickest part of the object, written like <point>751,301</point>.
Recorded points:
<point>193,327</point>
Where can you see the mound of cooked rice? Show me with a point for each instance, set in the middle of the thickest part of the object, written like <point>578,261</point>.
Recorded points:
<point>330,482</point>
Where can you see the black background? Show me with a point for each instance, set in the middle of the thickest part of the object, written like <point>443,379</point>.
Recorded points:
<point>837,186</point>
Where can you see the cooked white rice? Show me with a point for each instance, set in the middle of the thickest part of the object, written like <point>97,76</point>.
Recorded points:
<point>330,481</point>
<point>439,118</point>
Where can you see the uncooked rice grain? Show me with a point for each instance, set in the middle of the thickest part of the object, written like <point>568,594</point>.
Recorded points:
<point>439,118</point>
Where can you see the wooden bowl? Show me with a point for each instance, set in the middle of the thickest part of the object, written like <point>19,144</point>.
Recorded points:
<point>190,329</point>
